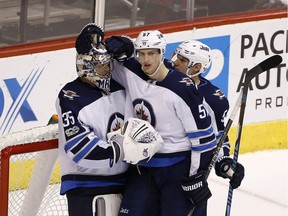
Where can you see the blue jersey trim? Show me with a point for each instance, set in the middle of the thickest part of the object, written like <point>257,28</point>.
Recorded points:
<point>219,135</point>
<point>200,133</point>
<point>82,153</point>
<point>73,142</point>
<point>205,147</point>
<point>161,162</point>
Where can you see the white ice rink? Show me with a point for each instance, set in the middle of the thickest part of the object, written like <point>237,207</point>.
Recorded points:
<point>263,192</point>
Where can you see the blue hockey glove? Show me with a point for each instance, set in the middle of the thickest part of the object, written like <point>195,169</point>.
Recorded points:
<point>91,34</point>
<point>222,169</point>
<point>196,188</point>
<point>121,47</point>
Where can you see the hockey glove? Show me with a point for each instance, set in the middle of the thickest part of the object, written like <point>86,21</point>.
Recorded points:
<point>121,47</point>
<point>196,188</point>
<point>223,169</point>
<point>91,34</point>
<point>141,141</point>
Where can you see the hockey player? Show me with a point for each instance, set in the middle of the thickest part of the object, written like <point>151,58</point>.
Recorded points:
<point>193,58</point>
<point>169,100</point>
<point>88,108</point>
<point>91,110</point>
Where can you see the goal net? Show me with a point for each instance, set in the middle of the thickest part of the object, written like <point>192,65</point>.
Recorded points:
<point>30,173</point>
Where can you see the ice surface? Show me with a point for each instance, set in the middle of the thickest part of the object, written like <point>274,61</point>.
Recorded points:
<point>264,190</point>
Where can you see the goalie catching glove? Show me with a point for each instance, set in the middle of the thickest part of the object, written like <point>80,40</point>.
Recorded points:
<point>223,169</point>
<point>121,47</point>
<point>141,141</point>
<point>137,140</point>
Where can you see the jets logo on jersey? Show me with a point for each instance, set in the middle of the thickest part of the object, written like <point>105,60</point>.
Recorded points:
<point>143,110</point>
<point>140,113</point>
<point>70,94</point>
<point>187,80</point>
<point>219,93</point>
<point>116,121</point>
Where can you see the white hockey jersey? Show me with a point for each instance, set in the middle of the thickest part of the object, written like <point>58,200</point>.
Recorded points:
<point>175,108</point>
<point>86,115</point>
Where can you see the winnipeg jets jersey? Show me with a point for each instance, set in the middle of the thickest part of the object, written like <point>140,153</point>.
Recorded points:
<point>174,107</point>
<point>86,115</point>
<point>220,106</point>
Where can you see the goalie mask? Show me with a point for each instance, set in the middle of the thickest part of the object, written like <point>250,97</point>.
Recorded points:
<point>95,66</point>
<point>195,52</point>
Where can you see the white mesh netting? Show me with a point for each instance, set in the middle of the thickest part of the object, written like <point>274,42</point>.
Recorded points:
<point>34,177</point>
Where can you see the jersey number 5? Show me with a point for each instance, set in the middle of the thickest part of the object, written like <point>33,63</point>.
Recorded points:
<point>202,111</point>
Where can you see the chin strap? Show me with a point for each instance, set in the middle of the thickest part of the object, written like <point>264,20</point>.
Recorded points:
<point>192,75</point>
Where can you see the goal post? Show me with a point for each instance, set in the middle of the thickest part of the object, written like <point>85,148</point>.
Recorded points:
<point>30,173</point>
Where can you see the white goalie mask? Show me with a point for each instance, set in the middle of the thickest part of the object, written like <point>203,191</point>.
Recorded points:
<point>95,66</point>
<point>141,141</point>
<point>195,52</point>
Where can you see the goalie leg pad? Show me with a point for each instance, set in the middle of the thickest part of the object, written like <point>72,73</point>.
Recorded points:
<point>106,205</point>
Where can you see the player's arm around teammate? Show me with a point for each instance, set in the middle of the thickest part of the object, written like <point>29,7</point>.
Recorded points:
<point>170,102</point>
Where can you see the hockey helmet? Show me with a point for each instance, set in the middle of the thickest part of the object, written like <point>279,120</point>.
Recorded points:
<point>195,52</point>
<point>152,39</point>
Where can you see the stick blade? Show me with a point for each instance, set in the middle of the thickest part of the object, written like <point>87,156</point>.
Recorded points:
<point>265,65</point>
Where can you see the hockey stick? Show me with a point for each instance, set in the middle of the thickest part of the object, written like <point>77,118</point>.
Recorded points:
<point>224,134</point>
<point>265,65</point>
<point>221,141</point>
<point>258,69</point>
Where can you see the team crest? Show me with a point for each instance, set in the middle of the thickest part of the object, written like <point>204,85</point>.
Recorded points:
<point>143,110</point>
<point>70,94</point>
<point>116,121</point>
<point>219,93</point>
<point>187,80</point>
